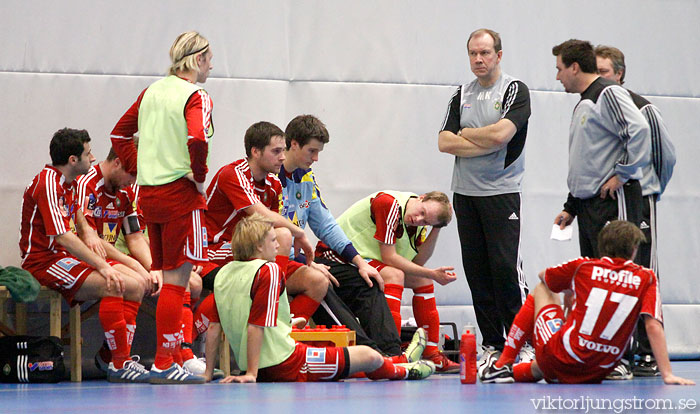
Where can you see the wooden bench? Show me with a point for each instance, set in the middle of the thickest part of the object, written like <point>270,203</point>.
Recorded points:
<point>20,328</point>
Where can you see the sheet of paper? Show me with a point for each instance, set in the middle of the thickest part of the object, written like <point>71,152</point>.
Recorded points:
<point>563,235</point>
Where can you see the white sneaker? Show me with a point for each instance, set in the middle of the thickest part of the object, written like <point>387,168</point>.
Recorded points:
<point>487,353</point>
<point>527,353</point>
<point>196,366</point>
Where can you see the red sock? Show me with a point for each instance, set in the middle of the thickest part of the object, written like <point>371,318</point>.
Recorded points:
<point>203,314</point>
<point>168,324</point>
<point>398,359</point>
<point>426,314</point>
<point>131,309</point>
<point>523,372</point>
<point>520,331</point>
<point>393,294</point>
<point>303,306</point>
<point>388,370</point>
<point>112,319</point>
<point>186,351</point>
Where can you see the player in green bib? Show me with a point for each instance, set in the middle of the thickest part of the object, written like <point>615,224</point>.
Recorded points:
<point>388,229</point>
<point>253,311</point>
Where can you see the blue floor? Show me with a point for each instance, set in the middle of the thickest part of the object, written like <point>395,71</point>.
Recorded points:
<point>438,394</point>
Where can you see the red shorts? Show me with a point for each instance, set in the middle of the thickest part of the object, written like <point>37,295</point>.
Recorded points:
<point>292,266</point>
<point>220,253</point>
<point>376,264</point>
<point>62,273</point>
<point>307,364</point>
<point>552,357</point>
<point>178,241</point>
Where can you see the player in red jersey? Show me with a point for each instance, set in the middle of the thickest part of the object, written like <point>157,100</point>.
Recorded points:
<point>106,199</point>
<point>608,296</point>
<point>389,229</point>
<point>249,186</point>
<point>61,261</point>
<point>173,119</point>
<point>255,315</point>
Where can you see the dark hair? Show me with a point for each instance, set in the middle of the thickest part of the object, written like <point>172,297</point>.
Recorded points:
<point>259,134</point>
<point>619,239</point>
<point>616,57</point>
<point>579,51</point>
<point>304,128</point>
<point>497,46</point>
<point>67,142</point>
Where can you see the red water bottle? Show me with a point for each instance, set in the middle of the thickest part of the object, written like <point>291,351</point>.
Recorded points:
<point>467,356</point>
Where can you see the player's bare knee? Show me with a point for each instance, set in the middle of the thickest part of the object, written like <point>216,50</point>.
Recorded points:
<point>316,284</point>
<point>364,358</point>
<point>285,239</point>
<point>133,289</point>
<point>543,295</point>
<point>393,275</point>
<point>195,285</point>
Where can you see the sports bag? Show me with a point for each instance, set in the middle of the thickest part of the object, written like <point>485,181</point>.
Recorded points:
<point>31,359</point>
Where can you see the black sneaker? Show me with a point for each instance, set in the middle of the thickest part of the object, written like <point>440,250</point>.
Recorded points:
<point>621,372</point>
<point>488,373</point>
<point>646,367</point>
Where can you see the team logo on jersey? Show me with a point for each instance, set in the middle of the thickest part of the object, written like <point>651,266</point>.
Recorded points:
<point>67,264</point>
<point>40,365</point>
<point>623,277</point>
<point>598,347</point>
<point>497,106</point>
<point>113,214</point>
<point>118,202</point>
<point>298,195</point>
<point>423,234</point>
<point>553,324</point>
<point>315,355</point>
<point>91,200</point>
<point>109,232</point>
<point>63,207</point>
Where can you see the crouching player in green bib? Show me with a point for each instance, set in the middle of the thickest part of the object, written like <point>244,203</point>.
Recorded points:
<point>253,311</point>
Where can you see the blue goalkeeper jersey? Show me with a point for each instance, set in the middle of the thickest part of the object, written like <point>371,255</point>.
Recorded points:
<point>302,203</point>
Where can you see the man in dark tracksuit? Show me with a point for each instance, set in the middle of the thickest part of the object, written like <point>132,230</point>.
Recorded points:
<point>609,145</point>
<point>485,129</point>
<point>611,65</point>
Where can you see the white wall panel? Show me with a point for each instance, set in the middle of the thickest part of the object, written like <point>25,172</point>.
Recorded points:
<point>379,73</point>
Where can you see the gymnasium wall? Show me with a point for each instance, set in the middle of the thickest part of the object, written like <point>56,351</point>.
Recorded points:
<point>379,74</point>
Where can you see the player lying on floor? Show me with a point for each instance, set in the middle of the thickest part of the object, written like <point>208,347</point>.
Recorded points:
<point>608,296</point>
<point>253,310</point>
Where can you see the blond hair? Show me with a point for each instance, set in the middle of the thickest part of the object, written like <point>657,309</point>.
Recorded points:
<point>184,52</point>
<point>249,233</point>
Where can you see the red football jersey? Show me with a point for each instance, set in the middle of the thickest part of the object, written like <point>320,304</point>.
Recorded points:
<point>103,211</point>
<point>48,210</point>
<point>610,296</point>
<point>388,216</point>
<point>233,190</point>
<point>268,286</point>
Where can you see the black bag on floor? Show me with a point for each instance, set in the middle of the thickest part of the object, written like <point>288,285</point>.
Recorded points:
<point>31,359</point>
